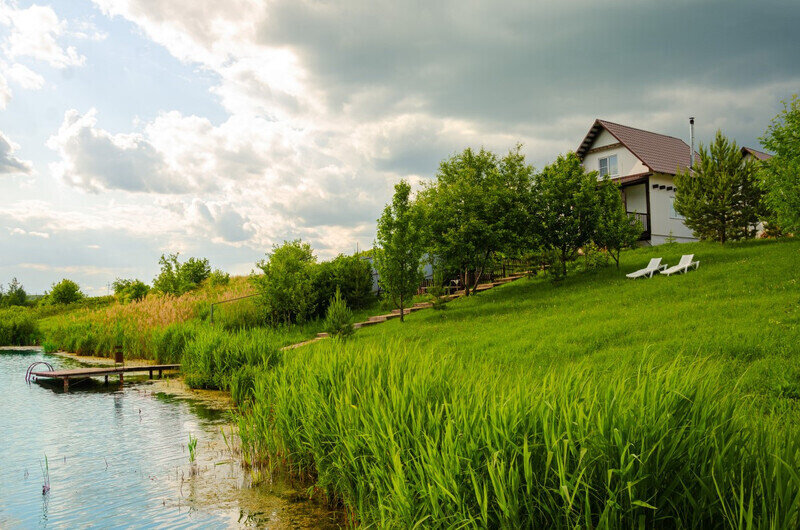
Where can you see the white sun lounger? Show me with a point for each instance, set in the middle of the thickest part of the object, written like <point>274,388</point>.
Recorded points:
<point>683,265</point>
<point>652,267</point>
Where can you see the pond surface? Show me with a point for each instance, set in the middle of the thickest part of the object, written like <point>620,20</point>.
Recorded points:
<point>118,457</point>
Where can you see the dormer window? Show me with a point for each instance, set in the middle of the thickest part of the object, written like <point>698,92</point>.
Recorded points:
<point>608,166</point>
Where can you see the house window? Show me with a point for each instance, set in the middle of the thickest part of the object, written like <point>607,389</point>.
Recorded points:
<point>672,213</point>
<point>608,166</point>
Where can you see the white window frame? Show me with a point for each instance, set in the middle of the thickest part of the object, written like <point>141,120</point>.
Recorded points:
<point>607,160</point>
<point>673,213</point>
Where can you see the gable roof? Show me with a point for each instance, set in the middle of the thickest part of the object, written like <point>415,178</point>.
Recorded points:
<point>659,152</point>
<point>760,155</point>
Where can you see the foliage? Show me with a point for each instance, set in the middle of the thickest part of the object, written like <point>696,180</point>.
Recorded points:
<point>352,275</point>
<point>18,327</point>
<point>15,296</point>
<point>615,230</point>
<point>564,422</point>
<point>398,257</point>
<point>286,283</point>
<point>594,258</point>
<point>212,357</point>
<point>177,278</point>
<point>64,292</point>
<point>563,208</point>
<point>128,291</point>
<point>720,197</point>
<point>436,289</point>
<point>780,175</point>
<point>474,209</point>
<point>219,278</point>
<point>339,318</point>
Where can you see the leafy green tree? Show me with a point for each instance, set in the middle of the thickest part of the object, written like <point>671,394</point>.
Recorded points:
<point>15,296</point>
<point>64,292</point>
<point>129,290</point>
<point>474,209</point>
<point>719,198</point>
<point>398,256</point>
<point>219,277</point>
<point>286,283</point>
<point>615,229</point>
<point>563,209</point>
<point>352,275</point>
<point>339,318</point>
<point>780,175</point>
<point>177,278</point>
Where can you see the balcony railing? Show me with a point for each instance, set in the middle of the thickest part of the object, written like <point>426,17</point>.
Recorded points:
<point>645,220</point>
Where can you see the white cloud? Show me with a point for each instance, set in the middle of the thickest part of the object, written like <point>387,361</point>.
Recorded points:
<point>10,164</point>
<point>34,33</point>
<point>25,77</point>
<point>5,91</point>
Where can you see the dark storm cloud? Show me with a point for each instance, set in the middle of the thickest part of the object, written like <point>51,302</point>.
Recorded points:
<point>523,61</point>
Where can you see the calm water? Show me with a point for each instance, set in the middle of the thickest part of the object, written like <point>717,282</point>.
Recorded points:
<point>119,458</point>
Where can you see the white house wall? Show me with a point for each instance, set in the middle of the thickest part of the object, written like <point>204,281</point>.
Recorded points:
<point>661,221</point>
<point>627,163</point>
<point>636,198</point>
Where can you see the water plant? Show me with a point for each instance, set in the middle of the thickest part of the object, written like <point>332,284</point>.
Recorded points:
<point>45,476</point>
<point>192,445</point>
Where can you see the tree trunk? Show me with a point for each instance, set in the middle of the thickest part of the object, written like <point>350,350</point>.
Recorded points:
<point>402,307</point>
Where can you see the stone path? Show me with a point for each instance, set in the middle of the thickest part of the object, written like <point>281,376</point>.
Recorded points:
<point>378,319</point>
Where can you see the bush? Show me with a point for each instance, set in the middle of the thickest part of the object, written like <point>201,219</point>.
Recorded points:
<point>177,278</point>
<point>218,278</point>
<point>18,327</point>
<point>64,292</point>
<point>286,288</point>
<point>339,319</point>
<point>128,291</point>
<point>351,275</point>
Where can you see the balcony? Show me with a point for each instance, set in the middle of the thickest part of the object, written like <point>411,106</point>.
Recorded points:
<point>643,218</point>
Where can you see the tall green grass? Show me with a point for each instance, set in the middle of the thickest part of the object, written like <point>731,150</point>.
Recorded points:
<point>598,402</point>
<point>405,440</point>
<point>18,327</point>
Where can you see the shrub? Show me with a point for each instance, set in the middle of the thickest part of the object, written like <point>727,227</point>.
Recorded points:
<point>130,290</point>
<point>18,327</point>
<point>15,296</point>
<point>218,278</point>
<point>177,278</point>
<point>64,292</point>
<point>339,319</point>
<point>286,286</point>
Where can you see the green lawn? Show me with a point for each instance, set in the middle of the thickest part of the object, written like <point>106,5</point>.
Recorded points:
<point>599,402</point>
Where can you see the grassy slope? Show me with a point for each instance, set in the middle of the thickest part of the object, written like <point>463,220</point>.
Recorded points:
<point>546,405</point>
<point>742,305</point>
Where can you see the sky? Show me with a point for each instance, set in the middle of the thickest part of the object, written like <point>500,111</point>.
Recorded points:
<point>132,128</point>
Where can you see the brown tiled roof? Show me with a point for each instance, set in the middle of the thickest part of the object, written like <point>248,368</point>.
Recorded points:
<point>757,154</point>
<point>660,153</point>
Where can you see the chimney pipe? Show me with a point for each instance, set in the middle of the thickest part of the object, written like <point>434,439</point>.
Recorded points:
<point>691,142</point>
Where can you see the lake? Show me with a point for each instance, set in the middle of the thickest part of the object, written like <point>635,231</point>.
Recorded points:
<point>119,457</point>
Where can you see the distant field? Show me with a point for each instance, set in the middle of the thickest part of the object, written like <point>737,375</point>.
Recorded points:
<point>596,402</point>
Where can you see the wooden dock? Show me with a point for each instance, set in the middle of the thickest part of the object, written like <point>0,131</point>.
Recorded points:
<point>83,373</point>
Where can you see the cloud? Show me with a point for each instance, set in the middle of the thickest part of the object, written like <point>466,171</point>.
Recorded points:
<point>25,77</point>
<point>34,33</point>
<point>9,164</point>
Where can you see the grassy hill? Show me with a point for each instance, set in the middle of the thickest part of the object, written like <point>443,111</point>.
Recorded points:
<point>596,402</point>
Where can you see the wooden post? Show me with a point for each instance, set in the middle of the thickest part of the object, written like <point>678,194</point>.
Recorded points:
<point>121,378</point>
<point>66,384</point>
<point>159,374</point>
<point>151,374</point>
<point>106,379</point>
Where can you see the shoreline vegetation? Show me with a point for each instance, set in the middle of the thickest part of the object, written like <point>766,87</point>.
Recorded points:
<point>593,401</point>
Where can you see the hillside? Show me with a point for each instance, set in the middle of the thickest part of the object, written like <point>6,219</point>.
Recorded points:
<point>597,402</point>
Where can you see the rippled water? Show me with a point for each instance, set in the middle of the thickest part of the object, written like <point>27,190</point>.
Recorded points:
<point>119,458</point>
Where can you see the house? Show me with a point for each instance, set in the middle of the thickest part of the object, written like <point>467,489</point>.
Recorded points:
<point>644,164</point>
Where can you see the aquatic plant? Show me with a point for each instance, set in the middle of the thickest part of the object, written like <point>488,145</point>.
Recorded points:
<point>45,476</point>
<point>192,445</point>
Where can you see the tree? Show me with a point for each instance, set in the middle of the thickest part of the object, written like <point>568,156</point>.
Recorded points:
<point>177,278</point>
<point>615,229</point>
<point>474,209</point>
<point>64,292</point>
<point>719,197</point>
<point>352,275</point>
<point>780,175</point>
<point>339,318</point>
<point>16,295</point>
<point>286,286</point>
<point>129,290</point>
<point>400,248</point>
<point>563,208</point>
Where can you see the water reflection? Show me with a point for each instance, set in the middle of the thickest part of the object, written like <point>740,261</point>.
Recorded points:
<point>120,458</point>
